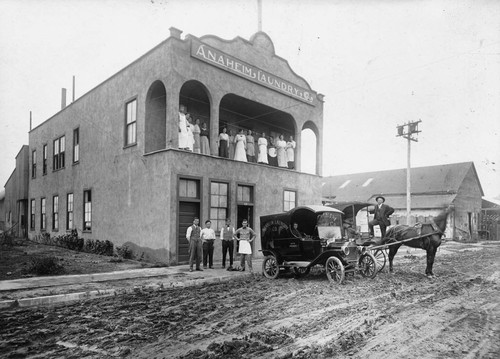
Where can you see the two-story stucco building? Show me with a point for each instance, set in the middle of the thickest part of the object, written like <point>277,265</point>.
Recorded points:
<point>109,165</point>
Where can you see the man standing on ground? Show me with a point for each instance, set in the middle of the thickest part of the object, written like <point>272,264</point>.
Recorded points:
<point>208,238</point>
<point>381,217</point>
<point>193,236</point>
<point>226,236</point>
<point>245,235</point>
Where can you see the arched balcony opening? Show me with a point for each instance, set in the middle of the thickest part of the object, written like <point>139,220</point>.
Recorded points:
<point>237,113</point>
<point>309,153</point>
<point>195,97</point>
<point>156,118</point>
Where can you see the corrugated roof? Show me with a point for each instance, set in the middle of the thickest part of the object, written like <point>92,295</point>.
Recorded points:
<point>431,180</point>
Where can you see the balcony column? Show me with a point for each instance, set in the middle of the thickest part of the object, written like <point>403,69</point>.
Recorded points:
<point>298,149</point>
<point>214,124</point>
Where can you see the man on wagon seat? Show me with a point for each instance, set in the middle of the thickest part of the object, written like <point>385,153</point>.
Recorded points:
<point>381,217</point>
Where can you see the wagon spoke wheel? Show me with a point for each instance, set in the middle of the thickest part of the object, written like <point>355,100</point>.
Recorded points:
<point>270,267</point>
<point>334,270</point>
<point>368,265</point>
<point>380,258</point>
<point>301,271</point>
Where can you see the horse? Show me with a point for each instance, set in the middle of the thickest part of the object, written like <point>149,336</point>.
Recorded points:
<point>428,237</point>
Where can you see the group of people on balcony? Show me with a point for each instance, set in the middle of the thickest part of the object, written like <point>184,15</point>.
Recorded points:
<point>242,147</point>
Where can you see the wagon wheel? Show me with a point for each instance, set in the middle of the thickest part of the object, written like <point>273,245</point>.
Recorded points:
<point>380,257</point>
<point>301,271</point>
<point>270,267</point>
<point>368,265</point>
<point>334,270</point>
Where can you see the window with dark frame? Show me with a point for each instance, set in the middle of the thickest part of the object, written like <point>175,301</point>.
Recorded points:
<point>289,200</point>
<point>87,210</point>
<point>33,164</point>
<point>189,188</point>
<point>44,159</point>
<point>55,213</point>
<point>76,145</point>
<point>59,153</point>
<point>131,121</point>
<point>218,204</point>
<point>32,214</point>
<point>245,194</point>
<point>43,216</point>
<point>69,211</point>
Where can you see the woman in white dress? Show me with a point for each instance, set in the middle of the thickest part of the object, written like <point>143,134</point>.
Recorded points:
<point>196,134</point>
<point>183,134</point>
<point>262,143</point>
<point>240,150</point>
<point>280,149</point>
<point>290,153</point>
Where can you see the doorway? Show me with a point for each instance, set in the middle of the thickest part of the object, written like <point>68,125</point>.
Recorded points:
<point>187,212</point>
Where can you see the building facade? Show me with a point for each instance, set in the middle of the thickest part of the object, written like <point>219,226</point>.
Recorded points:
<point>109,164</point>
<point>15,201</point>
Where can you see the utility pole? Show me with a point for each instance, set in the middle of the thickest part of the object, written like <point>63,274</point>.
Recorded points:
<point>407,131</point>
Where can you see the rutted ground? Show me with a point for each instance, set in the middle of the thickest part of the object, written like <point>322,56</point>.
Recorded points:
<point>404,315</point>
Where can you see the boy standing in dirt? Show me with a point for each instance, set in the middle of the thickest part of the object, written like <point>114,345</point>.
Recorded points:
<point>245,235</point>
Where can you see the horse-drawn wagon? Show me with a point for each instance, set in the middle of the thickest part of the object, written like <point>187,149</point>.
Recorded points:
<point>307,236</point>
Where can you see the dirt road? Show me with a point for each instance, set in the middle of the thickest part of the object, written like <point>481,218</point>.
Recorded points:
<point>403,315</point>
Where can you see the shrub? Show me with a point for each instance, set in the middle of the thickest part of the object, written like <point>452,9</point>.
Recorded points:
<point>99,247</point>
<point>45,266</point>
<point>125,252</point>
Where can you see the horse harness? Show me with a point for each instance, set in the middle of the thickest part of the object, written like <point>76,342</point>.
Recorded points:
<point>418,228</point>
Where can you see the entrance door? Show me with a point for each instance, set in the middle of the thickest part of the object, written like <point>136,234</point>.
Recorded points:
<point>187,212</point>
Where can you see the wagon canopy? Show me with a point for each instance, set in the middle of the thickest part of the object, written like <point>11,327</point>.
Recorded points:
<point>306,217</point>
<point>350,209</point>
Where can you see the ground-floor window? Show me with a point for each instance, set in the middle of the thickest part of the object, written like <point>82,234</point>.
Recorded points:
<point>289,200</point>
<point>32,214</point>
<point>87,210</point>
<point>43,218</point>
<point>218,204</point>
<point>55,213</point>
<point>69,211</point>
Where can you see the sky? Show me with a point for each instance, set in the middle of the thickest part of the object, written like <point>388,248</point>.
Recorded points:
<point>379,64</point>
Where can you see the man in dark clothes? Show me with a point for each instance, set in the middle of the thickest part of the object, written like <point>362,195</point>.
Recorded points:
<point>381,217</point>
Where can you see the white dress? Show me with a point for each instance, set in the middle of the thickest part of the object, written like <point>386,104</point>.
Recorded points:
<point>240,153</point>
<point>290,154</point>
<point>190,137</point>
<point>262,143</point>
<point>280,148</point>
<point>183,132</point>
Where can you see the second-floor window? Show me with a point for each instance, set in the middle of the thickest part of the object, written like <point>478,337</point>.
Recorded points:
<point>59,153</point>
<point>33,164</point>
<point>76,145</point>
<point>130,126</point>
<point>44,160</point>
